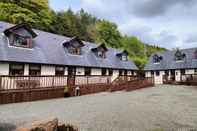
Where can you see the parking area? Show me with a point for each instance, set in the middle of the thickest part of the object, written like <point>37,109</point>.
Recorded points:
<point>163,107</point>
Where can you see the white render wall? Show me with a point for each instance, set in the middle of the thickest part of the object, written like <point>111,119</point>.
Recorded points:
<point>158,79</point>
<point>26,69</point>
<point>4,69</point>
<point>148,74</point>
<point>189,71</point>
<point>47,70</point>
<point>80,71</point>
<point>115,75</point>
<point>95,71</point>
<point>178,75</point>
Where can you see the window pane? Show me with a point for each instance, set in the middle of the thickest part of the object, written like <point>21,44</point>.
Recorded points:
<point>16,69</point>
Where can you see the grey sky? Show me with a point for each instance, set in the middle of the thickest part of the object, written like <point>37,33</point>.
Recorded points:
<point>167,23</point>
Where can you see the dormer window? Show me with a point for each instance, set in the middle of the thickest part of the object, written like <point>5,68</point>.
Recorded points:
<point>195,55</point>
<point>123,55</point>
<point>157,59</point>
<point>100,51</point>
<point>74,46</point>
<point>179,56</point>
<point>20,36</point>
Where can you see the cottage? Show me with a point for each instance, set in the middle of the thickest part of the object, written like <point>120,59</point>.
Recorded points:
<point>28,52</point>
<point>173,66</point>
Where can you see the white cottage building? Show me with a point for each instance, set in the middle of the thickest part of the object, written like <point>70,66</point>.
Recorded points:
<point>173,66</point>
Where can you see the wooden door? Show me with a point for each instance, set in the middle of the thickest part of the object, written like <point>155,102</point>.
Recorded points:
<point>71,76</point>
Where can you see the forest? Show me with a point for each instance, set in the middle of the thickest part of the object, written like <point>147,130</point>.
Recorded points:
<point>87,27</point>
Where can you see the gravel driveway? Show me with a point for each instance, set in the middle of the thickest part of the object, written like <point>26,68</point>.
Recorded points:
<point>162,107</point>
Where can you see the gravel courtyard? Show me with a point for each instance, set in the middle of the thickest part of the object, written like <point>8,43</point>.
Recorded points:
<point>164,107</point>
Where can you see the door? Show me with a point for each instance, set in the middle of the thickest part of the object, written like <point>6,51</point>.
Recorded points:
<point>172,73</point>
<point>71,76</point>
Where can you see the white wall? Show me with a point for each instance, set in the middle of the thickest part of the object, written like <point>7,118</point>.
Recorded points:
<point>115,75</point>
<point>189,71</point>
<point>148,74</point>
<point>80,71</point>
<point>95,71</point>
<point>26,69</point>
<point>158,79</point>
<point>177,75</point>
<point>47,70</point>
<point>4,69</point>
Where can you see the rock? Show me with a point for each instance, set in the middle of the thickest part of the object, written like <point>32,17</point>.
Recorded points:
<point>22,129</point>
<point>46,125</point>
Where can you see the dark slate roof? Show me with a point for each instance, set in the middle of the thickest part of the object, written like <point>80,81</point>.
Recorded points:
<point>168,61</point>
<point>48,49</point>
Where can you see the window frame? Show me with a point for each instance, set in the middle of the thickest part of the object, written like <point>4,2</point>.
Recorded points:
<point>59,72</point>
<point>88,71</point>
<point>157,73</point>
<point>11,70</point>
<point>35,72</point>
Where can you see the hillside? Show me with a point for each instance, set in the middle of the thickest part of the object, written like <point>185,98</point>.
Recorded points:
<point>82,24</point>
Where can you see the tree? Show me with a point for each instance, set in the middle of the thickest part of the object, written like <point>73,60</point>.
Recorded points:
<point>35,12</point>
<point>108,34</point>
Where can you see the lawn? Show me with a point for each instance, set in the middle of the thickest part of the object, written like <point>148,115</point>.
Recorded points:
<point>159,108</point>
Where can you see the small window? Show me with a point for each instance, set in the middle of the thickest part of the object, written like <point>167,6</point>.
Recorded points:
<point>157,73</point>
<point>104,72</point>
<point>59,70</point>
<point>110,72</point>
<point>124,58</point>
<point>120,72</point>
<point>157,59</point>
<point>16,69</point>
<point>183,72</point>
<point>125,72</point>
<point>34,70</point>
<point>74,50</point>
<point>101,54</point>
<point>179,56</point>
<point>20,41</point>
<point>87,71</point>
<point>195,71</point>
<point>195,54</point>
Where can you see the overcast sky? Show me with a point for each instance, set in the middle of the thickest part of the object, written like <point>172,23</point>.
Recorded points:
<point>167,23</point>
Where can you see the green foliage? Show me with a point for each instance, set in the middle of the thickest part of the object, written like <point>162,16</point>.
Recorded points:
<point>87,27</point>
<point>108,34</point>
<point>34,12</point>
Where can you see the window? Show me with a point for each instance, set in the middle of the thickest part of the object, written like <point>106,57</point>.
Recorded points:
<point>101,54</point>
<point>195,71</point>
<point>74,50</point>
<point>104,72</point>
<point>16,69</point>
<point>120,72</point>
<point>59,70</point>
<point>125,72</point>
<point>179,56</point>
<point>182,72</point>
<point>124,58</point>
<point>157,59</point>
<point>157,73</point>
<point>34,70</point>
<point>20,41</point>
<point>195,54</point>
<point>110,72</point>
<point>87,71</point>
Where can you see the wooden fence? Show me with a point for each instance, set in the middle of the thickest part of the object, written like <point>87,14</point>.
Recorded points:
<point>29,88</point>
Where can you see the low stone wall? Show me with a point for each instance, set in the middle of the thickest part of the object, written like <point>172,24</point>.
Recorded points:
<point>51,124</point>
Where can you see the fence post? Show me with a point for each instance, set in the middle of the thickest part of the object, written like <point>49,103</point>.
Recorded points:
<point>53,81</point>
<point>0,83</point>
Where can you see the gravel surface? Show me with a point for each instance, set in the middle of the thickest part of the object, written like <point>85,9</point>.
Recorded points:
<point>164,107</point>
